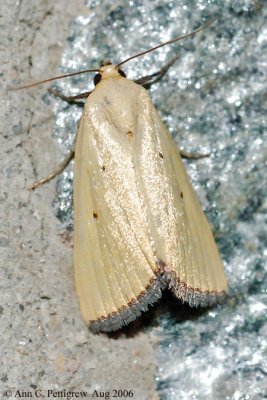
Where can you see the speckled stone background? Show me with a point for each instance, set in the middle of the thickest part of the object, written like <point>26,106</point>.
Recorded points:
<point>213,99</point>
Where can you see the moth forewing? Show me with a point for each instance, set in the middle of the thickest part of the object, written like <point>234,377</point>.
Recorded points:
<point>184,245</point>
<point>113,259</point>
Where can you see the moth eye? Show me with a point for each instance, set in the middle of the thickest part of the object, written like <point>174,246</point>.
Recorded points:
<point>122,73</point>
<point>97,79</point>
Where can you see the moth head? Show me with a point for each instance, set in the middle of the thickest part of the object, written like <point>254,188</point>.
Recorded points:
<point>108,70</point>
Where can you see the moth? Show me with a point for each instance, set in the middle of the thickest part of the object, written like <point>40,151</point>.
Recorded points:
<point>138,225</point>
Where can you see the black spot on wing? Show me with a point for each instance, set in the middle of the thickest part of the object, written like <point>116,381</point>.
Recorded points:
<point>129,134</point>
<point>106,100</point>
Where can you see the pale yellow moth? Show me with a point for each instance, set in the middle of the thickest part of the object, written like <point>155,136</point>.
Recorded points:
<point>138,225</point>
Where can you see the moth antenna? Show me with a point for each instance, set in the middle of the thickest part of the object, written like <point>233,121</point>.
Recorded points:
<point>30,85</point>
<point>201,28</point>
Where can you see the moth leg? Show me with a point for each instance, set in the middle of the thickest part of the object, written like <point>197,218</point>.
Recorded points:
<point>56,172</point>
<point>192,156</point>
<point>148,80</point>
<point>70,99</point>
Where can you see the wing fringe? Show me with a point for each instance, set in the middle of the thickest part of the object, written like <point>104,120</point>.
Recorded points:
<point>129,313</point>
<point>165,279</point>
<point>187,294</point>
